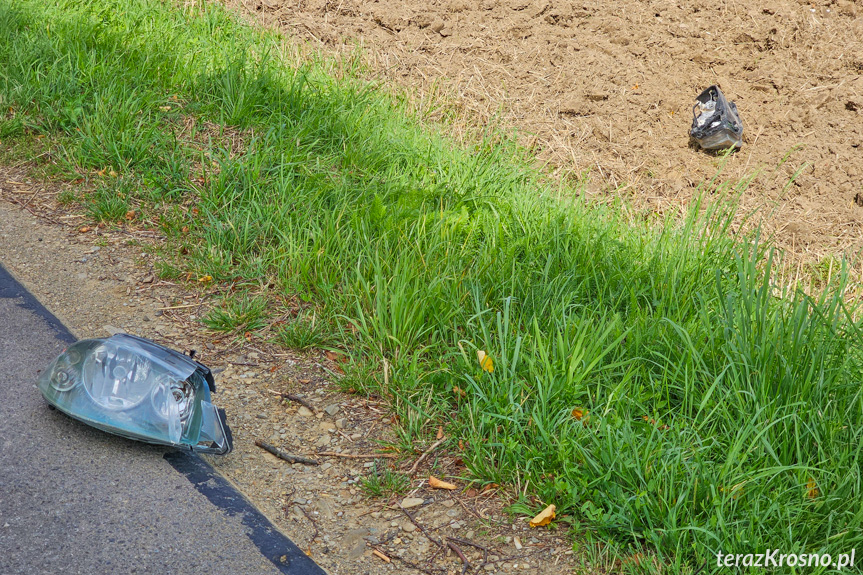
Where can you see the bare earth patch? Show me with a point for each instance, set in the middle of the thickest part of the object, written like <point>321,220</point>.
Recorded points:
<point>608,87</point>
<point>100,280</point>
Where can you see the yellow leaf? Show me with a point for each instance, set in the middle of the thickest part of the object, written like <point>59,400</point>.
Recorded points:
<point>204,279</point>
<point>436,483</point>
<point>812,489</point>
<point>581,414</point>
<point>544,518</point>
<point>485,361</point>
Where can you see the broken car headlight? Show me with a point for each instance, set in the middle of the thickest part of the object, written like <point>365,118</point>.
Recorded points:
<point>716,125</point>
<point>136,388</point>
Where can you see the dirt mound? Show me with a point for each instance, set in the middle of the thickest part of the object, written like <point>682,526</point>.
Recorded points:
<point>609,88</point>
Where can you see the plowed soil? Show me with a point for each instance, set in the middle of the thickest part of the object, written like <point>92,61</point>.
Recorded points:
<point>607,88</point>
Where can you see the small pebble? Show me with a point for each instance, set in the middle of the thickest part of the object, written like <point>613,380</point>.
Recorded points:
<point>409,502</point>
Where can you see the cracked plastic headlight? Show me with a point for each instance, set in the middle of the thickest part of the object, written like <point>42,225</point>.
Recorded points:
<point>136,388</point>
<point>716,125</point>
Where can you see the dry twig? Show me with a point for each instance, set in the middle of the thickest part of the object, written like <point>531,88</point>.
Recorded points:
<point>310,518</point>
<point>472,544</point>
<point>300,400</point>
<point>460,554</point>
<point>423,529</point>
<point>381,555</point>
<point>286,456</point>
<point>425,454</point>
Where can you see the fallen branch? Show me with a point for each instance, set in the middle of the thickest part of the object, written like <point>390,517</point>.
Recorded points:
<point>425,454</point>
<point>472,544</point>
<point>423,529</point>
<point>286,456</point>
<point>300,400</point>
<point>310,518</point>
<point>352,456</point>
<point>461,556</point>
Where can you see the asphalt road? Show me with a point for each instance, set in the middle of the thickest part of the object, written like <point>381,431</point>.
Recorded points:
<point>76,500</point>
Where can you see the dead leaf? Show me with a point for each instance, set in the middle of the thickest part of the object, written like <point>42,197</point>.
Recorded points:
<point>485,361</point>
<point>634,559</point>
<point>185,229</point>
<point>333,356</point>
<point>459,391</point>
<point>544,518</point>
<point>472,492</point>
<point>461,445</point>
<point>436,483</point>
<point>811,489</point>
<point>653,422</point>
<point>490,486</point>
<point>439,432</point>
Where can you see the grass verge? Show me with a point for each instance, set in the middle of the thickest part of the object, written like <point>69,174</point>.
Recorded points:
<point>644,376</point>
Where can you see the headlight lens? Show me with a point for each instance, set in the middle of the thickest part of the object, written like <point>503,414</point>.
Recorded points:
<point>116,377</point>
<point>136,388</point>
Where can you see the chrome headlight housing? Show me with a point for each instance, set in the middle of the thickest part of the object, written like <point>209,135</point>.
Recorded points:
<point>136,388</point>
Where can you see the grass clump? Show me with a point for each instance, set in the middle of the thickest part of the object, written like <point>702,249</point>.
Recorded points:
<point>649,380</point>
<point>306,333</point>
<point>238,312</point>
<point>384,482</point>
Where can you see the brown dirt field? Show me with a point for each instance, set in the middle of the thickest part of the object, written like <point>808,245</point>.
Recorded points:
<point>609,87</point>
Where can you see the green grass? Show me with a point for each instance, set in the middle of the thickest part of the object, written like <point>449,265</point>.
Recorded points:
<point>240,312</point>
<point>714,398</point>
<point>384,482</point>
<point>305,333</point>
